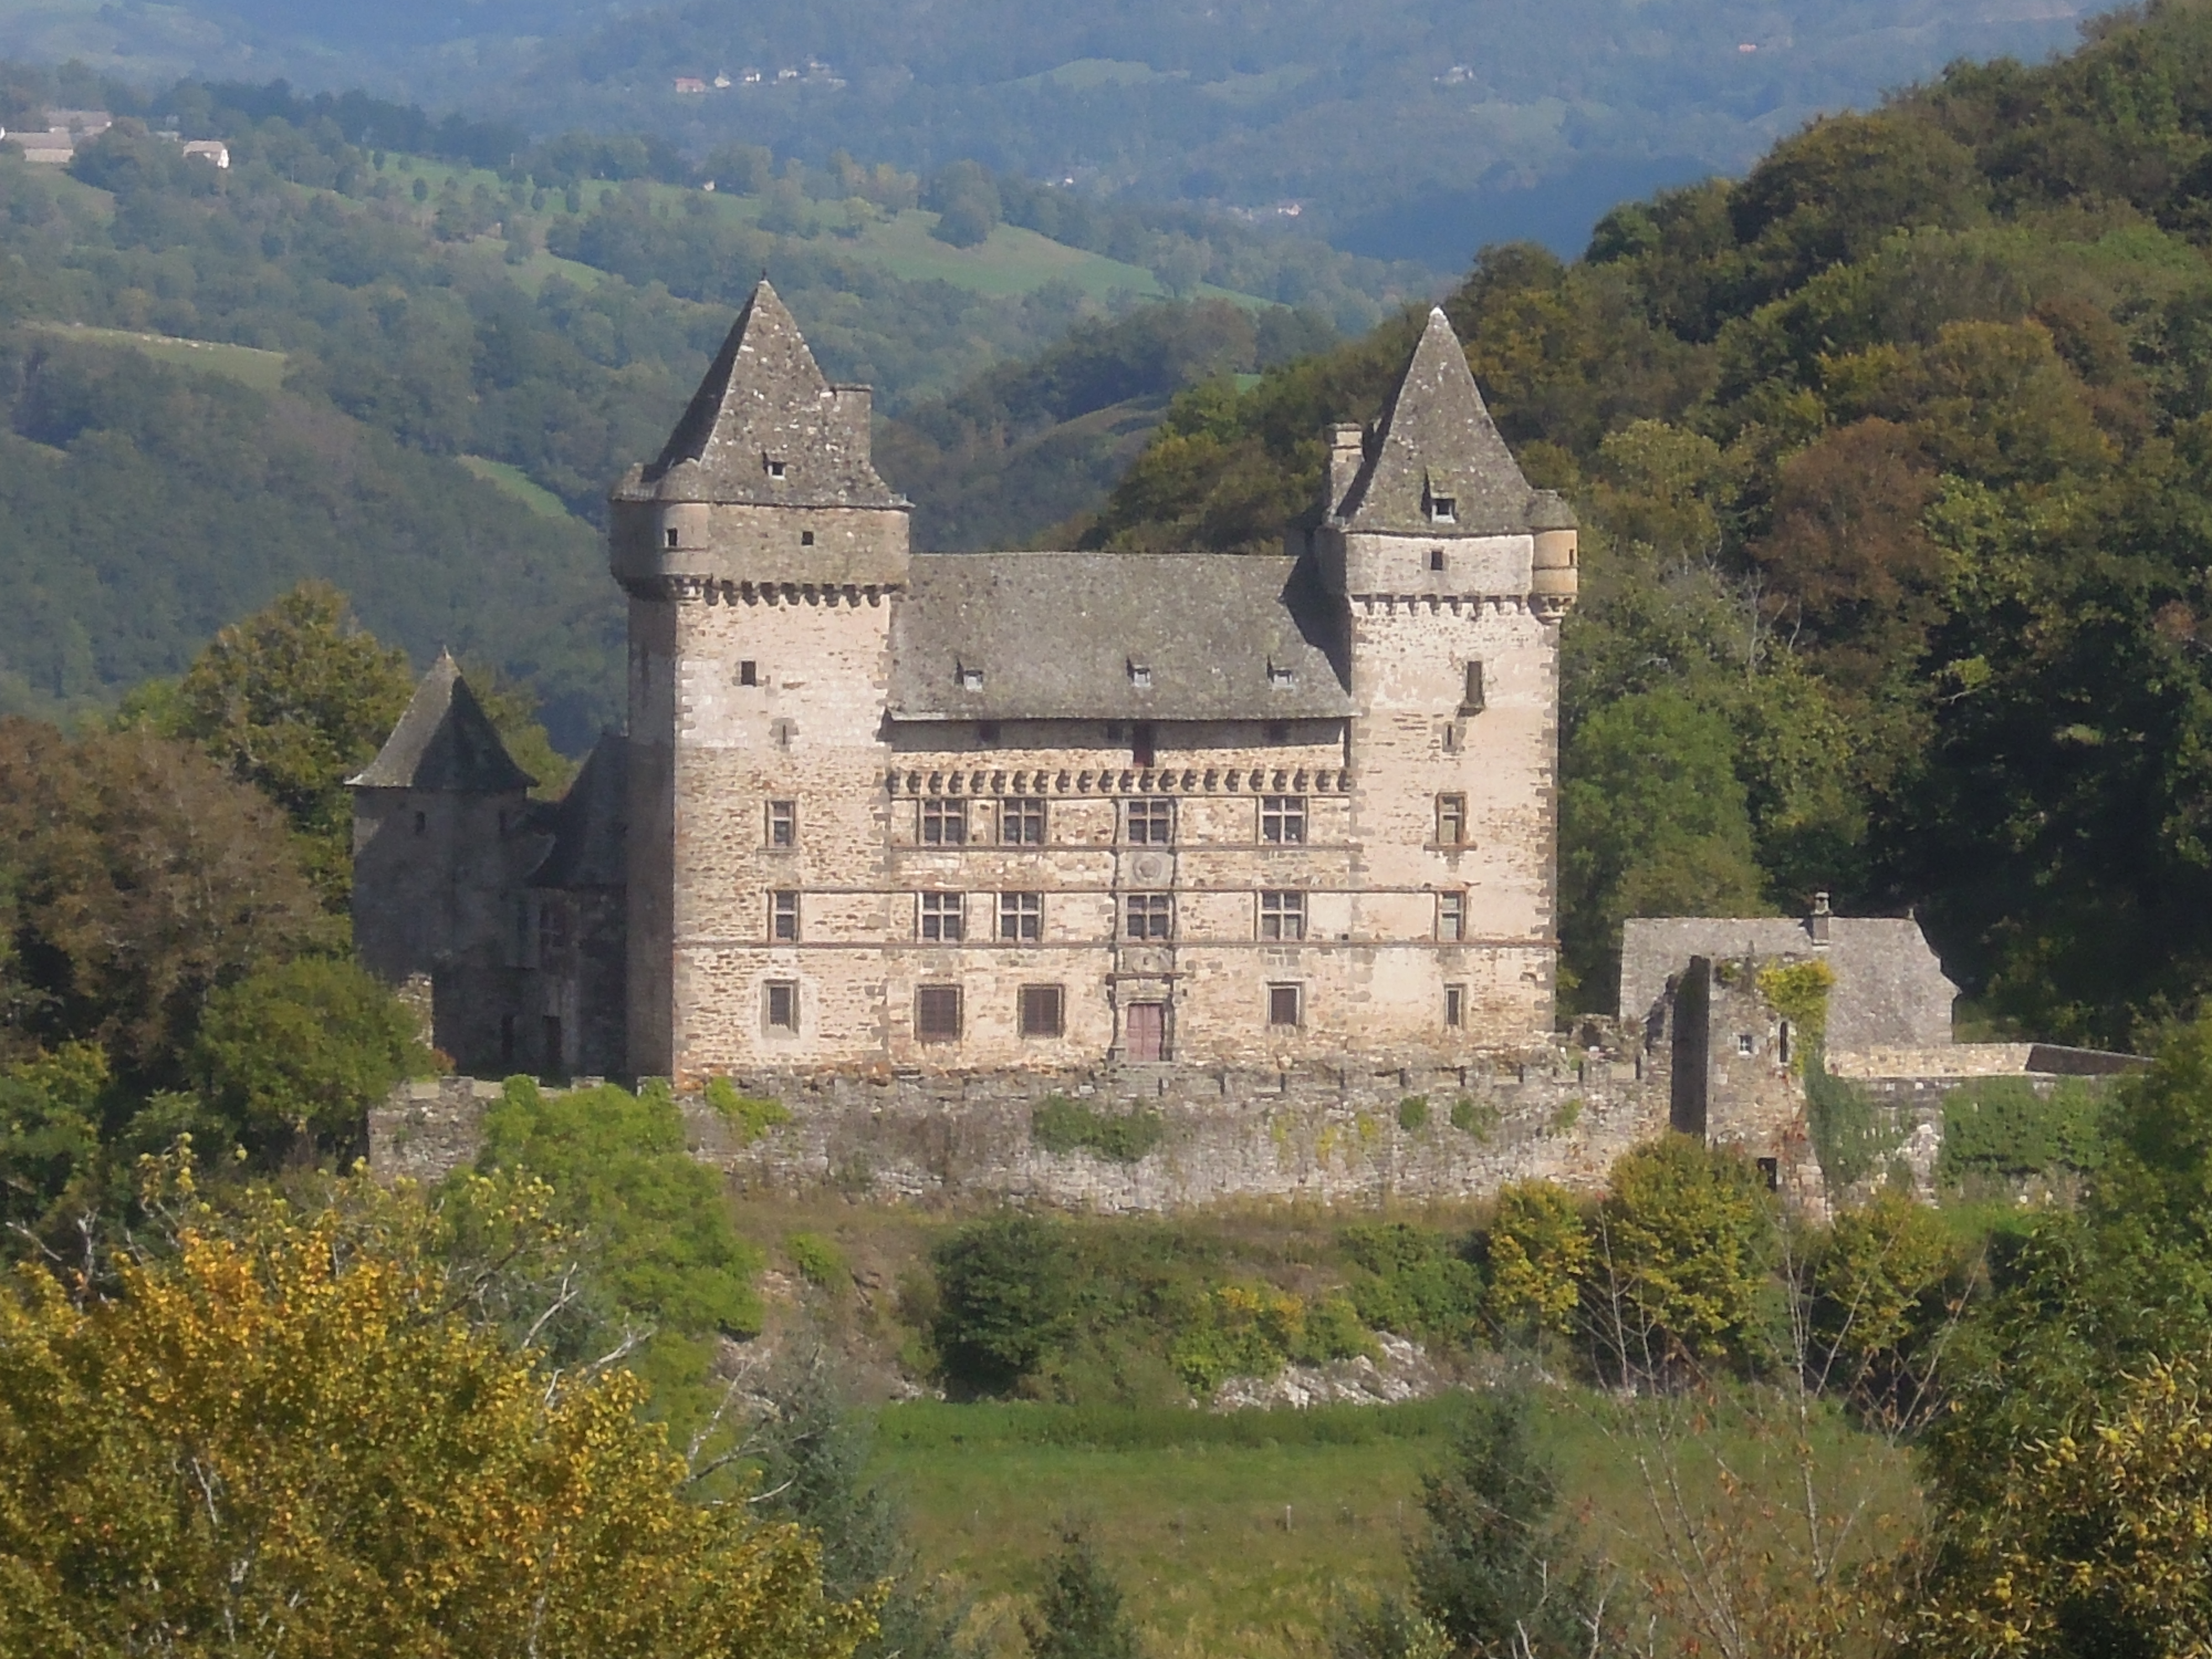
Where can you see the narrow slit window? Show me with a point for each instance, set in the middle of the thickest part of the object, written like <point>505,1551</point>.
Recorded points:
<point>1454,1005</point>
<point>1282,915</point>
<point>1471,696</point>
<point>1021,918</point>
<point>1144,747</point>
<point>671,535</point>
<point>1043,1010</point>
<point>936,1013</point>
<point>783,1004</point>
<point>783,918</point>
<point>942,915</point>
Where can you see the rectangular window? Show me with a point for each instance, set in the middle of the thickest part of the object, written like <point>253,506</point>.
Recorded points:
<point>936,1013</point>
<point>1149,823</point>
<point>1470,701</point>
<point>1149,916</point>
<point>1444,508</point>
<point>782,1005</point>
<point>1283,1005</point>
<point>1451,820</point>
<point>1451,916</point>
<point>1282,819</point>
<point>1021,917</point>
<point>748,673</point>
<point>1454,1005</point>
<point>783,918</point>
<point>1041,1008</point>
<point>944,823</point>
<point>1282,915</point>
<point>1021,822</point>
<point>941,915</point>
<point>783,823</point>
<point>1144,747</point>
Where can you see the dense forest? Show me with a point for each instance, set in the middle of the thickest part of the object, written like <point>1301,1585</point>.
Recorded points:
<point>1892,457</point>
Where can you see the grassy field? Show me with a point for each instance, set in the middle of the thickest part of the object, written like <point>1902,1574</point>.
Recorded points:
<point>1233,1534</point>
<point>515,483</point>
<point>262,370</point>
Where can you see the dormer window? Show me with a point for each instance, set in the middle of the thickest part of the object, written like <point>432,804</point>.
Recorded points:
<point>972,680</point>
<point>1444,509</point>
<point>1141,677</point>
<point>774,466</point>
<point>1280,678</point>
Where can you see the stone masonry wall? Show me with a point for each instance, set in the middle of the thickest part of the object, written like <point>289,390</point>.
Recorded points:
<point>1315,1134</point>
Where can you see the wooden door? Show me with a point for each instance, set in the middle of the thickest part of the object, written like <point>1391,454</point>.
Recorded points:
<point>1144,1029</point>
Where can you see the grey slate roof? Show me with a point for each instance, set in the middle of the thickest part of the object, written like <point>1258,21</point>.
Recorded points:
<point>1891,991</point>
<point>765,398</point>
<point>444,741</point>
<point>1059,637</point>
<point>1435,438</point>
<point>590,821</point>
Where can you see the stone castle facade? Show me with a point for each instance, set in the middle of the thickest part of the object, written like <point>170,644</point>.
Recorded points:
<point>878,811</point>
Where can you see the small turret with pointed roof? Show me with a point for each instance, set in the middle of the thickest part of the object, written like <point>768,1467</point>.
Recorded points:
<point>444,741</point>
<point>768,477</point>
<point>1437,469</point>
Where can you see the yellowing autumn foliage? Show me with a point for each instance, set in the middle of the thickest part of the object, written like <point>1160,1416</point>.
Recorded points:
<point>283,1437</point>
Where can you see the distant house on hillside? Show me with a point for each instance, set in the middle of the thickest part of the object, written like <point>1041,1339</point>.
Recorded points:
<point>209,150</point>
<point>689,85</point>
<point>53,147</point>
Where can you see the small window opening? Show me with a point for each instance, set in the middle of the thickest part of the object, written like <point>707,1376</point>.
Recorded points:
<point>944,823</point>
<point>1149,822</point>
<point>1021,821</point>
<point>1745,1045</point>
<point>1454,1005</point>
<point>1782,1043</point>
<point>1149,916</point>
<point>1470,698</point>
<point>748,673</point>
<point>1451,820</point>
<point>422,824</point>
<point>1451,916</point>
<point>553,1061</point>
<point>783,918</point>
<point>1282,915</point>
<point>1435,558</point>
<point>780,733</point>
<point>775,468</point>
<point>942,916</point>
<point>1042,1011</point>
<point>1444,508</point>
<point>1141,676</point>
<point>783,1004</point>
<point>972,680</point>
<point>936,1013</point>
<point>1283,1002</point>
<point>671,534</point>
<point>1143,749</point>
<point>1283,820</point>
<point>1281,679</point>
<point>1770,1171</point>
<point>783,823</point>
<point>807,538</point>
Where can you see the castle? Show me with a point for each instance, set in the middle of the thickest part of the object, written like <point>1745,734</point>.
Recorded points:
<point>984,813</point>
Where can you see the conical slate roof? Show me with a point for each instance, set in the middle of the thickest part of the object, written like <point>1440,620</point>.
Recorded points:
<point>444,741</point>
<point>591,822</point>
<point>1437,438</point>
<point>767,427</point>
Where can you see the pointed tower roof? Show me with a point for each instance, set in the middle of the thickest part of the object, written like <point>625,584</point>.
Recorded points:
<point>1437,438</point>
<point>444,741</point>
<point>767,427</point>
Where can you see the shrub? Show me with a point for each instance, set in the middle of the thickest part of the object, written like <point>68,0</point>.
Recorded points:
<point>2002,1127</point>
<point>1062,1126</point>
<point>1851,1135</point>
<point>819,1262</point>
<point>1473,1117</point>
<point>1254,1330</point>
<point>1682,1251</point>
<point>1414,1282</point>
<point>1539,1253</point>
<point>1413,1114</point>
<point>1007,1294</point>
<point>749,1119</point>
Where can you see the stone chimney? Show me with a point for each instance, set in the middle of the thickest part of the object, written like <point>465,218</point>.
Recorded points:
<point>1346,453</point>
<point>1816,925</point>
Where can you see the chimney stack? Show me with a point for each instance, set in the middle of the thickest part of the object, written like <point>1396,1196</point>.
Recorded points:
<point>1817,924</point>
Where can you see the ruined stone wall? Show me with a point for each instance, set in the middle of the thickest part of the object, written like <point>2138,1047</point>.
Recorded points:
<point>1312,1134</point>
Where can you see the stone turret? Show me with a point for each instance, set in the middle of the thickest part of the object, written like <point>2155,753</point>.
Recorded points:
<point>1437,504</point>
<point>441,836</point>
<point>766,479</point>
